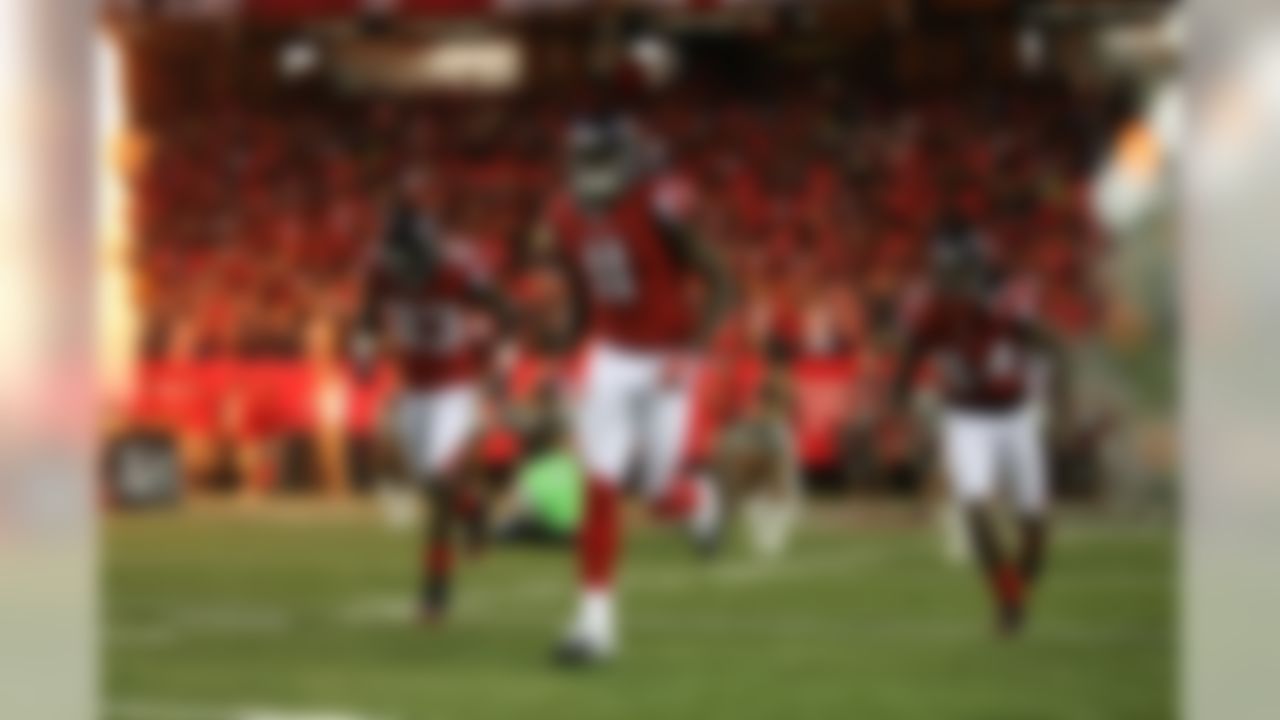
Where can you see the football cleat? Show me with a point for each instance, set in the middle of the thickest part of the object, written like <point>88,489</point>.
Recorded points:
<point>708,523</point>
<point>576,651</point>
<point>1011,619</point>
<point>434,605</point>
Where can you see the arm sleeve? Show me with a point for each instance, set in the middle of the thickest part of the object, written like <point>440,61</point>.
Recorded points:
<point>673,201</point>
<point>915,318</point>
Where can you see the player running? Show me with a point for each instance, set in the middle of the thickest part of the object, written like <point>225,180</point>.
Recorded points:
<point>421,298</point>
<point>622,234</point>
<point>989,353</point>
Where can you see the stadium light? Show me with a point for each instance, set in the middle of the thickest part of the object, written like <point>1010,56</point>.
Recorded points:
<point>481,63</point>
<point>298,58</point>
<point>471,62</point>
<point>116,322</point>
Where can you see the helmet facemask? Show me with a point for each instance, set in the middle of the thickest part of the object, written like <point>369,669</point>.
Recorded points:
<point>602,160</point>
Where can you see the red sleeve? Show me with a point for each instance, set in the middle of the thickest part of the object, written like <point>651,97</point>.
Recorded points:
<point>561,221</point>
<point>1021,300</point>
<point>917,316</point>
<point>376,285</point>
<point>673,199</point>
<point>467,268</point>
<point>557,216</point>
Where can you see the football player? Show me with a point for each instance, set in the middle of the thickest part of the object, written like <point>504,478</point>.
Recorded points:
<point>989,352</point>
<point>622,235</point>
<point>421,301</point>
<point>755,458</point>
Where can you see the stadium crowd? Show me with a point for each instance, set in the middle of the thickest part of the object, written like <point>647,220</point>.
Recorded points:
<point>253,225</point>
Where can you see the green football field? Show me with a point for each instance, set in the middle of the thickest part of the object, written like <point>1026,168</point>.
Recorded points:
<point>223,617</point>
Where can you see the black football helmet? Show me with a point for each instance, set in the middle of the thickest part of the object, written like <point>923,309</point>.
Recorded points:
<point>604,157</point>
<point>957,255</point>
<point>410,247</point>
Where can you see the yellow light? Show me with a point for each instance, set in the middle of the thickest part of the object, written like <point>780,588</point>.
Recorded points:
<point>116,322</point>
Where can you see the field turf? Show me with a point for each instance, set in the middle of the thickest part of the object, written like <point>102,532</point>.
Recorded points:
<point>222,616</point>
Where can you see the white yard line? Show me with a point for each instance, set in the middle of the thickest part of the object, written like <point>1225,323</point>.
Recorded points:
<point>142,636</point>
<point>389,610</point>
<point>394,610</point>
<point>149,710</point>
<point>807,631</point>
<point>131,710</point>
<point>202,620</point>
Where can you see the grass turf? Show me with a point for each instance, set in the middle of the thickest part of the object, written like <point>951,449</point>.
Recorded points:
<point>220,617</point>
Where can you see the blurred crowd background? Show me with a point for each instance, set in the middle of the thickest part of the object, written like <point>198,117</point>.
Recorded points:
<point>822,142</point>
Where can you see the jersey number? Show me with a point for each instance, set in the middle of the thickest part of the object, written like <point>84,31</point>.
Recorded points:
<point>998,364</point>
<point>435,329</point>
<point>609,271</point>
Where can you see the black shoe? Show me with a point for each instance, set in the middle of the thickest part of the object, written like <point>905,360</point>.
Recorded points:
<point>434,605</point>
<point>707,544</point>
<point>1011,619</point>
<point>707,547</point>
<point>576,653</point>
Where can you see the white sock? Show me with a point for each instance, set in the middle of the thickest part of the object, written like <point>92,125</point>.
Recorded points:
<point>705,517</point>
<point>596,618</point>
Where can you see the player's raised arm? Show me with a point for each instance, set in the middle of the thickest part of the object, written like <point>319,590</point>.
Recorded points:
<point>488,298</point>
<point>545,254</point>
<point>483,294</point>
<point>697,254</point>
<point>394,254</point>
<point>1051,348</point>
<point>1041,339</point>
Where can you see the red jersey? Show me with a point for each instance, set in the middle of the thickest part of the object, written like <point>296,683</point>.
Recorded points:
<point>981,345</point>
<point>430,323</point>
<point>638,287</point>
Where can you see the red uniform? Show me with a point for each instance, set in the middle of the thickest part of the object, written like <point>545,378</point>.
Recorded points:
<point>430,323</point>
<point>637,286</point>
<point>636,397</point>
<point>981,345</point>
